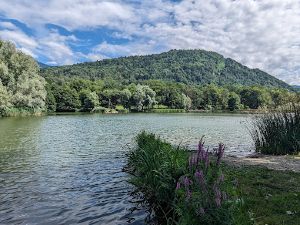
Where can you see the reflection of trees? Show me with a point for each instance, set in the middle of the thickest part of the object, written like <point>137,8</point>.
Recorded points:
<point>18,141</point>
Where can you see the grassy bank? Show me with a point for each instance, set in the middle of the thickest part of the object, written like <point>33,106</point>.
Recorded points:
<point>168,179</point>
<point>271,197</point>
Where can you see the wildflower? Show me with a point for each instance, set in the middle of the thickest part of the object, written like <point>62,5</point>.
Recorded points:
<point>200,212</point>
<point>220,153</point>
<point>218,201</point>
<point>178,186</point>
<point>188,195</point>
<point>218,195</point>
<point>221,178</point>
<point>187,182</point>
<point>206,158</point>
<point>199,176</point>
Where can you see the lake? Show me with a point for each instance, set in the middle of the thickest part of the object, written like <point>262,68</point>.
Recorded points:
<point>67,169</point>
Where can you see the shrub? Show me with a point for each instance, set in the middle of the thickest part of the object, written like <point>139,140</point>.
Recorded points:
<point>277,133</point>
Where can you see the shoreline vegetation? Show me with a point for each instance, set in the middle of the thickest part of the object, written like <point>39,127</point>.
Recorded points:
<point>176,184</point>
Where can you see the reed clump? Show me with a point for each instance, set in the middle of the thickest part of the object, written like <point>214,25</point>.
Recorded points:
<point>278,132</point>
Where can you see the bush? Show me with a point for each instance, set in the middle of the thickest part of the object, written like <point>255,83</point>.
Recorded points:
<point>277,133</point>
<point>121,109</point>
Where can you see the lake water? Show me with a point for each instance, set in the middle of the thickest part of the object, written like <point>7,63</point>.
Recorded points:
<point>67,169</point>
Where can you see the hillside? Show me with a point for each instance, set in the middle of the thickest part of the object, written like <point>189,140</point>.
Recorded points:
<point>43,65</point>
<point>186,66</point>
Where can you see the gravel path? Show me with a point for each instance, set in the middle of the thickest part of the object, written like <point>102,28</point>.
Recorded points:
<point>287,162</point>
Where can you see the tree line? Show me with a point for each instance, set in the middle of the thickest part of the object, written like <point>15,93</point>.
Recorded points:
<point>79,94</point>
<point>24,91</point>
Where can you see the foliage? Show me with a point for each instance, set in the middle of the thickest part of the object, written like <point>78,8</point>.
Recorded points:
<point>278,132</point>
<point>21,87</point>
<point>196,67</point>
<point>149,94</point>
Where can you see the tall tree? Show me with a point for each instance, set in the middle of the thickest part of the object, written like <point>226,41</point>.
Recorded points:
<point>19,74</point>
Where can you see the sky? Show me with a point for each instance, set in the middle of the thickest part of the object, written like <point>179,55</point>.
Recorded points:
<point>262,34</point>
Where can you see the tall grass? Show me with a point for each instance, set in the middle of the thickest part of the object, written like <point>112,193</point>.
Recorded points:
<point>277,133</point>
<point>155,168</point>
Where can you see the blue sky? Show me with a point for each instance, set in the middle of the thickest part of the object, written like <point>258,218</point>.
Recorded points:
<point>260,34</point>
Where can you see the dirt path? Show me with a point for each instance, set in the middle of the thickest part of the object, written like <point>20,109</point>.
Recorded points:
<point>287,162</point>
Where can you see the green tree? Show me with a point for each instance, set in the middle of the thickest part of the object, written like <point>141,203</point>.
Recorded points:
<point>5,100</point>
<point>19,74</point>
<point>144,97</point>
<point>234,101</point>
<point>67,99</point>
<point>90,101</point>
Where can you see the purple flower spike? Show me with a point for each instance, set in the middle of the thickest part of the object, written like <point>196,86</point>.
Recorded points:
<point>220,153</point>
<point>186,182</point>
<point>218,202</point>
<point>199,176</point>
<point>178,186</point>
<point>221,178</point>
<point>206,158</point>
<point>188,195</point>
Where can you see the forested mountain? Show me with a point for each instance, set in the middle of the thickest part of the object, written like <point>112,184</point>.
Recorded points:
<point>185,66</point>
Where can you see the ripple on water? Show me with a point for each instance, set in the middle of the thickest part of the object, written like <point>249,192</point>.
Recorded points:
<point>68,169</point>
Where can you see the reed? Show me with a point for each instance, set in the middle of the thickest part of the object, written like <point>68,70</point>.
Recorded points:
<point>277,133</point>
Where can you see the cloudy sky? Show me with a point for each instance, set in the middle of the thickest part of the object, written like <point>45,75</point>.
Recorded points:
<point>261,34</point>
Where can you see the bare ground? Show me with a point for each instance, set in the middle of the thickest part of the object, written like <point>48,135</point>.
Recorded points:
<point>287,162</point>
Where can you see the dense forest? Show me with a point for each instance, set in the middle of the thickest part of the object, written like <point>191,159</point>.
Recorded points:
<point>103,87</point>
<point>197,67</point>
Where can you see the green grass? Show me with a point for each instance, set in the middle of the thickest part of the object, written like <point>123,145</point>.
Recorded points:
<point>269,195</point>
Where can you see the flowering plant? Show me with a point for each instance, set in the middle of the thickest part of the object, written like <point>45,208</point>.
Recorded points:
<point>201,195</point>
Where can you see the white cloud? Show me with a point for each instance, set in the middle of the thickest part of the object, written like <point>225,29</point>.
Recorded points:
<point>263,34</point>
<point>71,14</point>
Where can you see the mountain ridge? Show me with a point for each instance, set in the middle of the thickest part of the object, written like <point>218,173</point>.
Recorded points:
<point>184,66</point>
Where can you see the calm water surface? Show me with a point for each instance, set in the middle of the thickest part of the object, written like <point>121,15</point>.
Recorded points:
<point>67,169</point>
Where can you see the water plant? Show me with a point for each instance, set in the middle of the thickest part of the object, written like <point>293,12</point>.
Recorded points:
<point>278,132</point>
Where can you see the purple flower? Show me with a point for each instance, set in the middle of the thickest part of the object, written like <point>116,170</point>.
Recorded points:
<point>206,158</point>
<point>218,195</point>
<point>188,195</point>
<point>178,186</point>
<point>218,201</point>
<point>199,176</point>
<point>220,153</point>
<point>186,182</point>
<point>200,212</point>
<point>221,178</point>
